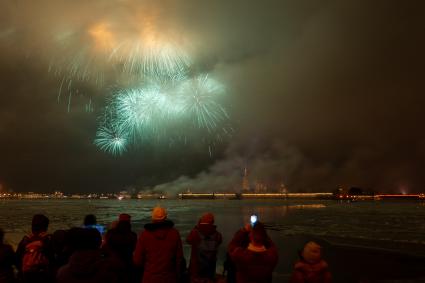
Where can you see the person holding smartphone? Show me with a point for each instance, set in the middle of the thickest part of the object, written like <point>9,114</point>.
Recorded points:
<point>252,255</point>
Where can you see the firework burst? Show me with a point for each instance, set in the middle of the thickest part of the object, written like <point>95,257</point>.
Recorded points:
<point>111,139</point>
<point>199,97</point>
<point>175,111</point>
<point>104,51</point>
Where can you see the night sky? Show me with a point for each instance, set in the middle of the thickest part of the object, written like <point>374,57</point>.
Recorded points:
<point>320,94</point>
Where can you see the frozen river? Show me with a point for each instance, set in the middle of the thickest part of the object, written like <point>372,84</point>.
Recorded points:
<point>390,224</point>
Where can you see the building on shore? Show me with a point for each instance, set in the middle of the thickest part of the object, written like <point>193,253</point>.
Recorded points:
<point>229,195</point>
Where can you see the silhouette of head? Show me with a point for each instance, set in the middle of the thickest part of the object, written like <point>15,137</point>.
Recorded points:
<point>40,223</point>
<point>124,217</point>
<point>89,220</point>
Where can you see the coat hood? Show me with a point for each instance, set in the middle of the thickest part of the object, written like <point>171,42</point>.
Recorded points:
<point>206,229</point>
<point>159,229</point>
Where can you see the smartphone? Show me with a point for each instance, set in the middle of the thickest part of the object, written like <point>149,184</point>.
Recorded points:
<point>253,219</point>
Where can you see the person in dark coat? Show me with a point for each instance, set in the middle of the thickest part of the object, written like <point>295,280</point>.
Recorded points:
<point>61,248</point>
<point>120,242</point>
<point>159,250</point>
<point>311,268</point>
<point>205,240</point>
<point>35,255</point>
<point>7,261</point>
<point>86,264</point>
<point>121,239</point>
<point>256,262</point>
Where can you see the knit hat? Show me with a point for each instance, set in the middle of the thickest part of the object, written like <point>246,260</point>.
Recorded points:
<point>312,252</point>
<point>207,218</point>
<point>124,217</point>
<point>159,214</point>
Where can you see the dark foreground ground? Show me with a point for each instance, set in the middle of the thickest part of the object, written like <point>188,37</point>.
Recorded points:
<point>356,263</point>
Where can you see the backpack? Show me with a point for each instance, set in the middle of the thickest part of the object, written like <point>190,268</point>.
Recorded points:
<point>35,258</point>
<point>207,254</point>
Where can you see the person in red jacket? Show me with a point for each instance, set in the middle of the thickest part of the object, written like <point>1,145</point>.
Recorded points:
<point>159,250</point>
<point>35,253</point>
<point>205,240</point>
<point>311,268</point>
<point>256,262</point>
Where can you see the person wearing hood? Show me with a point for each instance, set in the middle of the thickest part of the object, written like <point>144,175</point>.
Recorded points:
<point>256,262</point>
<point>205,240</point>
<point>86,264</point>
<point>120,243</point>
<point>159,251</point>
<point>311,268</point>
<point>121,239</point>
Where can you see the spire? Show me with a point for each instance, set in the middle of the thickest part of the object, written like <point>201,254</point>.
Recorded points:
<point>245,181</point>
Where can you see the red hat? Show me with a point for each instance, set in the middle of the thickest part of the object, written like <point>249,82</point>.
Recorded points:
<point>207,218</point>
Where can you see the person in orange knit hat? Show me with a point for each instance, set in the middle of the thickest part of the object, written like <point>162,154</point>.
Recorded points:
<point>311,267</point>
<point>205,240</point>
<point>159,251</point>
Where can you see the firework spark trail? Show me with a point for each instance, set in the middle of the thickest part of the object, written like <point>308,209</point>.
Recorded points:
<point>88,106</point>
<point>161,60</point>
<point>60,89</point>
<point>69,101</point>
<point>78,60</point>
